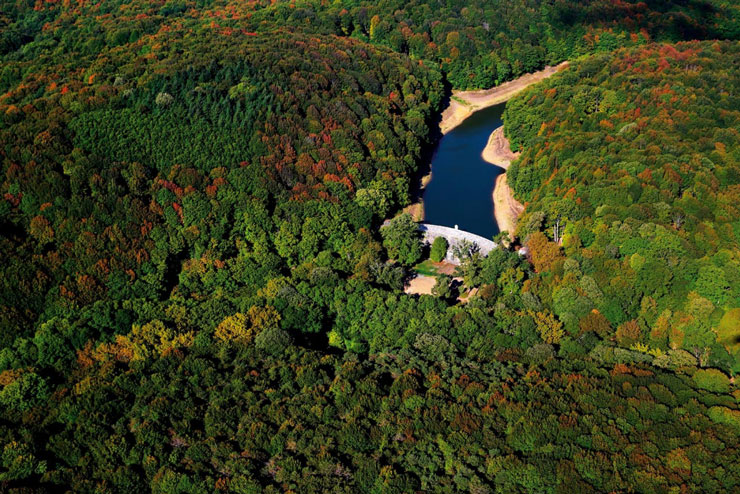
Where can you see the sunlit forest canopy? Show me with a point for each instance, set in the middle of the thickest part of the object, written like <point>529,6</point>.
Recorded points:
<point>205,251</point>
<point>636,153</point>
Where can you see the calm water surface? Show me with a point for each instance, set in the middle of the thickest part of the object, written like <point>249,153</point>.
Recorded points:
<point>462,183</point>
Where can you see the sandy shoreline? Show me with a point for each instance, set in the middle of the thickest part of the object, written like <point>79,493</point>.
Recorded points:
<point>465,103</point>
<point>497,151</point>
<point>506,209</point>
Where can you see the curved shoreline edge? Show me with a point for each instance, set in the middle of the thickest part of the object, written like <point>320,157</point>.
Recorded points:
<point>465,103</point>
<point>462,105</point>
<point>498,150</point>
<point>506,209</point>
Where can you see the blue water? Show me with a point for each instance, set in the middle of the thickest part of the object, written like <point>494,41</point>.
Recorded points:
<point>462,182</point>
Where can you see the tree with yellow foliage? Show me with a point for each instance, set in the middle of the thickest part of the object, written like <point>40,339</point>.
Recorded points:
<point>242,328</point>
<point>550,329</point>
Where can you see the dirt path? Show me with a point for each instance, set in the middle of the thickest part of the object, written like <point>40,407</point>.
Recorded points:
<point>467,296</point>
<point>416,210</point>
<point>464,103</point>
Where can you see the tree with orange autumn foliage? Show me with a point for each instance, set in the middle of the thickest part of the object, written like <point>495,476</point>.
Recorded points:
<point>543,253</point>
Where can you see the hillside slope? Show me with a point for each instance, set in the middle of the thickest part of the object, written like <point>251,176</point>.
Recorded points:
<point>636,156</point>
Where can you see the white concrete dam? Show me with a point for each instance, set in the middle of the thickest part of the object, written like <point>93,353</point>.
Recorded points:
<point>454,236</point>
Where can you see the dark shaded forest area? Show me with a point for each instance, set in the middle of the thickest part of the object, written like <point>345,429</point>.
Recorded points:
<point>197,295</point>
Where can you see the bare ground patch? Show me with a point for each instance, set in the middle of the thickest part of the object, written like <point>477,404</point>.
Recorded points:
<point>421,285</point>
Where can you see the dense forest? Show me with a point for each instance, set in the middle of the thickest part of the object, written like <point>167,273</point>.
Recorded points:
<point>635,158</point>
<point>477,43</point>
<point>198,295</point>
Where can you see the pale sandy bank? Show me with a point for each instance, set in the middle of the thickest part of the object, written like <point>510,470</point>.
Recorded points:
<point>498,151</point>
<point>506,209</point>
<point>465,103</point>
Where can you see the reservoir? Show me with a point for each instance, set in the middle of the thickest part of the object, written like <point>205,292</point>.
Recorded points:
<point>459,192</point>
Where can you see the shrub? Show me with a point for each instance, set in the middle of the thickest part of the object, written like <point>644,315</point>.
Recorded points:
<point>439,249</point>
<point>164,99</point>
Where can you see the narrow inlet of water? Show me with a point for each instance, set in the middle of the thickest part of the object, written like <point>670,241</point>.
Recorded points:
<point>461,188</point>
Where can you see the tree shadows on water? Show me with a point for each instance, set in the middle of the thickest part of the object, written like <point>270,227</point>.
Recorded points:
<point>459,192</point>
